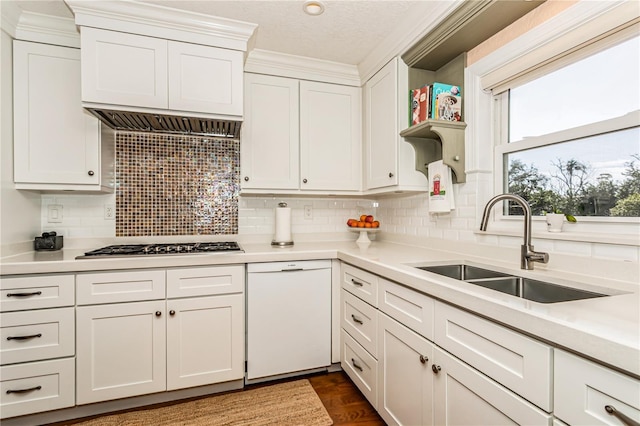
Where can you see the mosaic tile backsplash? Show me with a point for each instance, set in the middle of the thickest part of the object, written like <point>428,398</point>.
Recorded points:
<point>176,185</point>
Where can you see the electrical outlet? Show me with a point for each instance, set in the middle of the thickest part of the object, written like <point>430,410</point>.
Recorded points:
<point>54,213</point>
<point>109,211</point>
<point>308,212</point>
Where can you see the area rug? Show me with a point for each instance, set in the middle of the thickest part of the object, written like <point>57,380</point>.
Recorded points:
<point>289,403</point>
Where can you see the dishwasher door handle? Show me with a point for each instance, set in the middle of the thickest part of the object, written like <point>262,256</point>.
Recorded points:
<point>292,270</point>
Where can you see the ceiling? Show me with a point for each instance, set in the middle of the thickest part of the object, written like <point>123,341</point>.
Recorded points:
<point>346,32</point>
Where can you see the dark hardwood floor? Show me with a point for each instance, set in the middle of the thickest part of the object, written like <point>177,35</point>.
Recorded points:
<point>343,401</point>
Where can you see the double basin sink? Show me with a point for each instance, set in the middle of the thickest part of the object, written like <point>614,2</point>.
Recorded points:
<point>526,288</point>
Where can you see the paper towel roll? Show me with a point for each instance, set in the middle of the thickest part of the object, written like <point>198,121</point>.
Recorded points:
<point>283,225</point>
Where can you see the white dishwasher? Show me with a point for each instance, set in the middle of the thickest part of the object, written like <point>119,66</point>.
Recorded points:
<point>288,318</point>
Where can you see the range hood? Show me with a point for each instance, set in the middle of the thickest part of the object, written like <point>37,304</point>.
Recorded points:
<point>164,123</point>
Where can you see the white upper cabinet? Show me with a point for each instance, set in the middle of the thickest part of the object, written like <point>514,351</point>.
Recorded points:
<point>389,161</point>
<point>205,79</point>
<point>120,69</point>
<point>381,132</point>
<point>300,136</point>
<point>270,145</point>
<point>57,145</point>
<point>123,69</point>
<point>330,134</point>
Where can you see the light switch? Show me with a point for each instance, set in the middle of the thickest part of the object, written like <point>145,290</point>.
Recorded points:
<point>54,213</point>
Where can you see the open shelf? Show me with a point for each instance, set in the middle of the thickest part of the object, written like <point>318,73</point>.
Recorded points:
<point>438,139</point>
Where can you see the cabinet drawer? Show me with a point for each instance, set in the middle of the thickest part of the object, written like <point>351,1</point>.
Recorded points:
<point>516,361</point>
<point>125,286</point>
<point>409,307</point>
<point>361,283</point>
<point>35,292</point>
<point>205,281</point>
<point>361,367</point>
<point>37,335</point>
<point>360,321</point>
<point>37,386</point>
<point>583,389</point>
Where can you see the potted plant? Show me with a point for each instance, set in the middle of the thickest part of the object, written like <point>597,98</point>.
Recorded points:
<point>555,219</point>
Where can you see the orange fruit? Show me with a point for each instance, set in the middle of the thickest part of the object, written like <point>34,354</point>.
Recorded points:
<point>367,224</point>
<point>360,224</point>
<point>363,217</point>
<point>375,224</point>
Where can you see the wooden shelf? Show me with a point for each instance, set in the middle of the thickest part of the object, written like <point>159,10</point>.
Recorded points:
<point>438,139</point>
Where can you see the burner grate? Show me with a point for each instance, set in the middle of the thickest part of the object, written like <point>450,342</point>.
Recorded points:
<point>123,250</point>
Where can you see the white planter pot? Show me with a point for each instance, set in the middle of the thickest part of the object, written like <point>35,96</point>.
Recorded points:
<point>554,222</point>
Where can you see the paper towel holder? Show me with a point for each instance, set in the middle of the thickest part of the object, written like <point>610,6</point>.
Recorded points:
<point>282,243</point>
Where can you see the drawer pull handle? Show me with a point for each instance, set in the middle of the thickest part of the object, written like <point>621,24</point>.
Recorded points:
<point>35,388</point>
<point>355,364</point>
<point>436,368</point>
<point>423,359</point>
<point>356,319</point>
<point>33,336</point>
<point>358,283</point>
<point>623,418</point>
<point>35,293</point>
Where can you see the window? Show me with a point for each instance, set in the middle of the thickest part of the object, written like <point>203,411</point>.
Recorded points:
<point>571,139</point>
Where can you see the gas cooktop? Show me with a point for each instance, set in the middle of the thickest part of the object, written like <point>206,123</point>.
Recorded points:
<point>126,250</point>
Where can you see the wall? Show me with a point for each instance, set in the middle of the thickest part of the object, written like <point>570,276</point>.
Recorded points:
<point>19,210</point>
<point>83,216</point>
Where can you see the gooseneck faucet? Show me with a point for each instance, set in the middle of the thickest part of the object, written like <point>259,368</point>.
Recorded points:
<point>527,254</point>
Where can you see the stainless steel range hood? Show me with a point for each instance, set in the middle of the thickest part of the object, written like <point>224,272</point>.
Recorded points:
<point>164,123</point>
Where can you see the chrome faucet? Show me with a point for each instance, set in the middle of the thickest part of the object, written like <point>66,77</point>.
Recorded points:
<point>527,254</point>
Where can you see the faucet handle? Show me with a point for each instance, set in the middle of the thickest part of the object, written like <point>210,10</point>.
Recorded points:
<point>538,256</point>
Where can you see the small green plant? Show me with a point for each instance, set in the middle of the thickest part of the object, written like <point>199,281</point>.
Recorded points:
<point>569,217</point>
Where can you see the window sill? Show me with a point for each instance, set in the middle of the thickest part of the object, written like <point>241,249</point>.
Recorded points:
<point>591,237</point>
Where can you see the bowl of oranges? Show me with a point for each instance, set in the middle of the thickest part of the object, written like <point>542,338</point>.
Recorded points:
<point>364,225</point>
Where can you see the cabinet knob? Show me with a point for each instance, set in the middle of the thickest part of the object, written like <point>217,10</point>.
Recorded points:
<point>390,174</point>
<point>90,173</point>
<point>172,312</point>
<point>304,181</point>
<point>158,313</point>
<point>436,368</point>
<point>423,359</point>
<point>246,178</point>
<point>456,158</point>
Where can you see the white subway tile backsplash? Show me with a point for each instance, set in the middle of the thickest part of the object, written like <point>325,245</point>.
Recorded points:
<point>610,251</point>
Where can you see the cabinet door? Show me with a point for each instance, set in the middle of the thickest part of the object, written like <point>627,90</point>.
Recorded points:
<point>405,379</point>
<point>463,396</point>
<point>205,340</point>
<point>55,140</point>
<point>123,69</point>
<point>120,350</point>
<point>330,137</point>
<point>205,79</point>
<point>270,133</point>
<point>381,129</point>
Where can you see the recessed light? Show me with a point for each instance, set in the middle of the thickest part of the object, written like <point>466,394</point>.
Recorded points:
<point>313,7</point>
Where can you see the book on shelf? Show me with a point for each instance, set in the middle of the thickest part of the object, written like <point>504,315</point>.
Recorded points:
<point>437,101</point>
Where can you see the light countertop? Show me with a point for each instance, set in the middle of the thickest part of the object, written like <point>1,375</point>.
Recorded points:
<point>606,329</point>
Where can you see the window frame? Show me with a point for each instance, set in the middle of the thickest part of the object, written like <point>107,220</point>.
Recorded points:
<point>559,38</point>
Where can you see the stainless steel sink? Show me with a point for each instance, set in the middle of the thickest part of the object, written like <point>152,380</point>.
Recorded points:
<point>526,288</point>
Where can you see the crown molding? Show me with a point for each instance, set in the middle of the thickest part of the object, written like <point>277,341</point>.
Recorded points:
<point>423,19</point>
<point>10,15</point>
<point>286,65</point>
<point>163,22</point>
<point>47,29</point>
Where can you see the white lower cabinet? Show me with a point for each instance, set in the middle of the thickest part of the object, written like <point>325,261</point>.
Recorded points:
<point>136,346</point>
<point>36,386</point>
<point>405,394</point>
<point>464,396</point>
<point>121,350</point>
<point>360,366</point>
<point>586,393</point>
<point>205,340</point>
